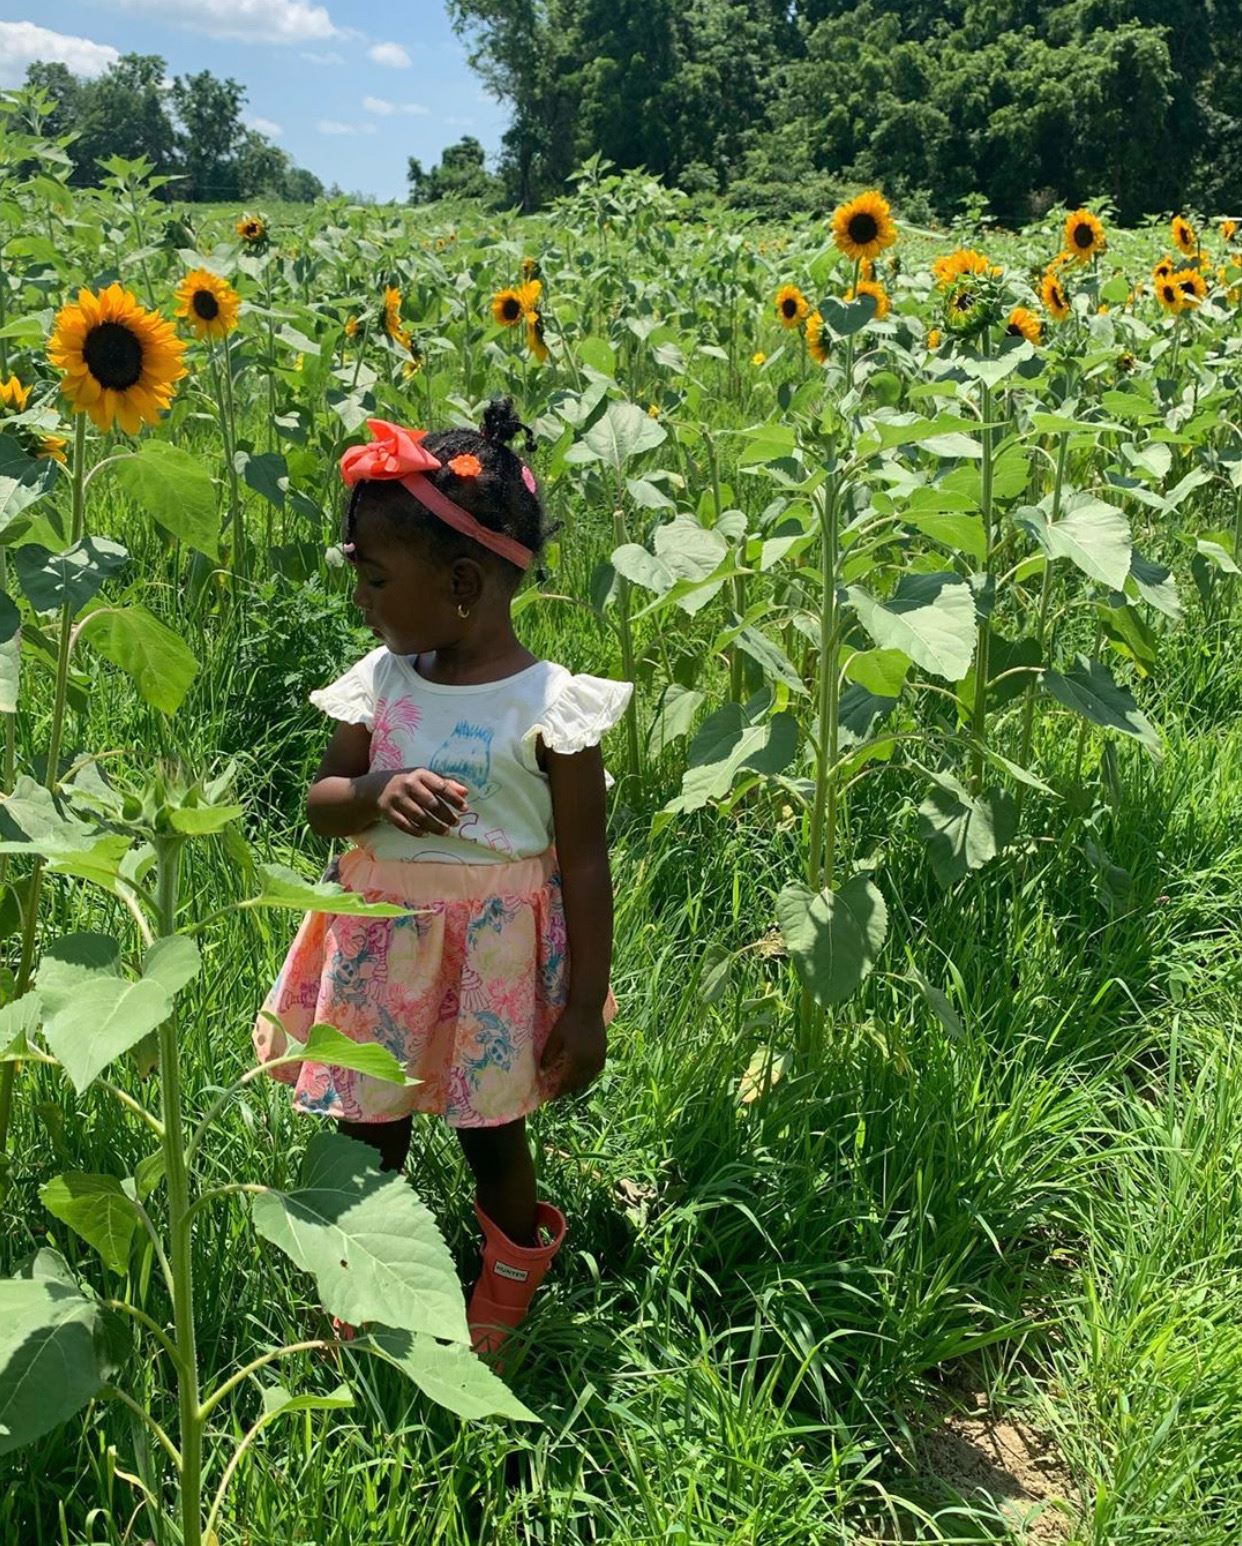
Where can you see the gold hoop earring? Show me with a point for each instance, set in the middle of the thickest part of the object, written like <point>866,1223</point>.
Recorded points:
<point>462,611</point>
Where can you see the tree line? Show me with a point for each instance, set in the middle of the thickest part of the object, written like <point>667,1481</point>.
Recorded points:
<point>189,128</point>
<point>783,104</point>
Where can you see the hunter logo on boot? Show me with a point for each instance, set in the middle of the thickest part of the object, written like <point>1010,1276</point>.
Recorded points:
<point>504,1270</point>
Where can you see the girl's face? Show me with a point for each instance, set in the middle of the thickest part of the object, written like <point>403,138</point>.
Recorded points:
<point>407,602</point>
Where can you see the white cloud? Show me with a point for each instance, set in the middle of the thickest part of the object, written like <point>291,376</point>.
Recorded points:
<point>264,126</point>
<point>390,54</point>
<point>335,126</point>
<point>460,123</point>
<point>384,109</point>
<point>22,43</point>
<point>331,57</point>
<point>251,21</point>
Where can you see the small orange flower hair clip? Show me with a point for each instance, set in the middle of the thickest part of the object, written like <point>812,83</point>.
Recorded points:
<point>466,465</point>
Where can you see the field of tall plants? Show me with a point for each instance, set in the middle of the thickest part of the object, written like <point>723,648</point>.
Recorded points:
<point>907,1208</point>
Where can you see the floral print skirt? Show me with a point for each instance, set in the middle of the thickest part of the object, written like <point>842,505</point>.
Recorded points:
<point>463,992</point>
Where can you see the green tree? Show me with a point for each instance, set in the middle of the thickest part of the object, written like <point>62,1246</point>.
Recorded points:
<point>461,173</point>
<point>211,133</point>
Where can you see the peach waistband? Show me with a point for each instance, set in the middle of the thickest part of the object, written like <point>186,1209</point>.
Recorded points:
<point>430,880</point>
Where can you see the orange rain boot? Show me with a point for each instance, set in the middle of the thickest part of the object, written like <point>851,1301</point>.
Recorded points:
<point>511,1274</point>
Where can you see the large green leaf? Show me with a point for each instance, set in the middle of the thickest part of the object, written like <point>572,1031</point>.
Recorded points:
<point>963,831</point>
<point>678,708</point>
<point>160,662</point>
<point>49,1355</point>
<point>1089,689</point>
<point>10,653</point>
<point>278,1402</point>
<point>930,617</point>
<point>23,479</point>
<point>283,887</point>
<point>31,822</point>
<point>373,1248</point>
<point>771,657</point>
<point>728,741</point>
<point>50,579</point>
<point>96,1208</point>
<point>326,1044</point>
<point>267,473</point>
<point>448,1373</point>
<point>174,487</point>
<point>622,431</point>
<point>833,937</point>
<point>1094,536</point>
<point>845,317</point>
<point>91,1013</point>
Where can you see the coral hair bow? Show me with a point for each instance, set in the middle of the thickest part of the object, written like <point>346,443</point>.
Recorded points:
<point>398,453</point>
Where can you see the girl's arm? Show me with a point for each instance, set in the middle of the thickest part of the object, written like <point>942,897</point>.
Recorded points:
<point>579,819</point>
<point>343,795</point>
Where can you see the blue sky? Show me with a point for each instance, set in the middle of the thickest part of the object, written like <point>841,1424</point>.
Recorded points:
<point>350,88</point>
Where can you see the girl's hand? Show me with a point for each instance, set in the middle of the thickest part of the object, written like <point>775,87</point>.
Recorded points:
<point>420,802</point>
<point>576,1049</point>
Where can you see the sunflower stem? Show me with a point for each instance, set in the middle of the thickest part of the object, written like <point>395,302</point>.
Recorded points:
<point>228,428</point>
<point>982,650</point>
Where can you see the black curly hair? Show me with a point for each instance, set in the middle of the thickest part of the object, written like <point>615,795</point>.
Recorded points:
<point>498,497</point>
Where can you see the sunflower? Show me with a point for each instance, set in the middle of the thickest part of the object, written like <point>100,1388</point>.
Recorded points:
<point>866,268</point>
<point>392,317</point>
<point>1164,269</point>
<point>252,229</point>
<point>52,448</point>
<point>864,227</point>
<point>1169,294</point>
<point>414,364</point>
<point>1054,297</point>
<point>529,291</point>
<point>816,338</point>
<point>1023,324</point>
<point>351,327</point>
<point>208,303</point>
<point>1192,286</point>
<point>758,358</point>
<point>964,261</point>
<point>933,338</point>
<point>1126,362</point>
<point>878,294</point>
<point>530,268</point>
<point>1228,230</point>
<point>507,307</point>
<point>1084,236</point>
<point>118,360</point>
<point>1184,236</point>
<point>13,395</point>
<point>534,337</point>
<point>966,306</point>
<point>792,306</point>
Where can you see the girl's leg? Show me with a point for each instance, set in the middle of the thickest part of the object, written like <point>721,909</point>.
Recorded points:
<point>392,1139</point>
<point>504,1174</point>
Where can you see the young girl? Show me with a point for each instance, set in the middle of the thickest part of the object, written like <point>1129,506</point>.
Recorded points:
<point>468,774</point>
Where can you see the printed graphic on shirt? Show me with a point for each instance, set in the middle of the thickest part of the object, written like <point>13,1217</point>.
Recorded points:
<point>467,756</point>
<point>392,715</point>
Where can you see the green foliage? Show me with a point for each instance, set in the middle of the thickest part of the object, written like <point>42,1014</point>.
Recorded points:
<point>784,106</point>
<point>193,134</point>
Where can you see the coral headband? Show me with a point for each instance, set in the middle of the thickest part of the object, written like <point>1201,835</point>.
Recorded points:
<point>399,453</point>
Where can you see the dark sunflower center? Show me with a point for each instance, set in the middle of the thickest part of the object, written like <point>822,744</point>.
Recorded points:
<point>1084,236</point>
<point>512,309</point>
<point>206,305</point>
<point>113,355</point>
<point>863,228</point>
<point>1188,287</point>
<point>1013,330</point>
<point>964,300</point>
<point>789,306</point>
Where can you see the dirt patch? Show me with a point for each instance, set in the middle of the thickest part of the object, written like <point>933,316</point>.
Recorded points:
<point>1019,1468</point>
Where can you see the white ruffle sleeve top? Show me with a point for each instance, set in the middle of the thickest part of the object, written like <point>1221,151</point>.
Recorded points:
<point>482,735</point>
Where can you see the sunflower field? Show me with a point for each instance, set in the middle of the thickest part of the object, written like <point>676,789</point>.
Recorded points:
<point>907,1208</point>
